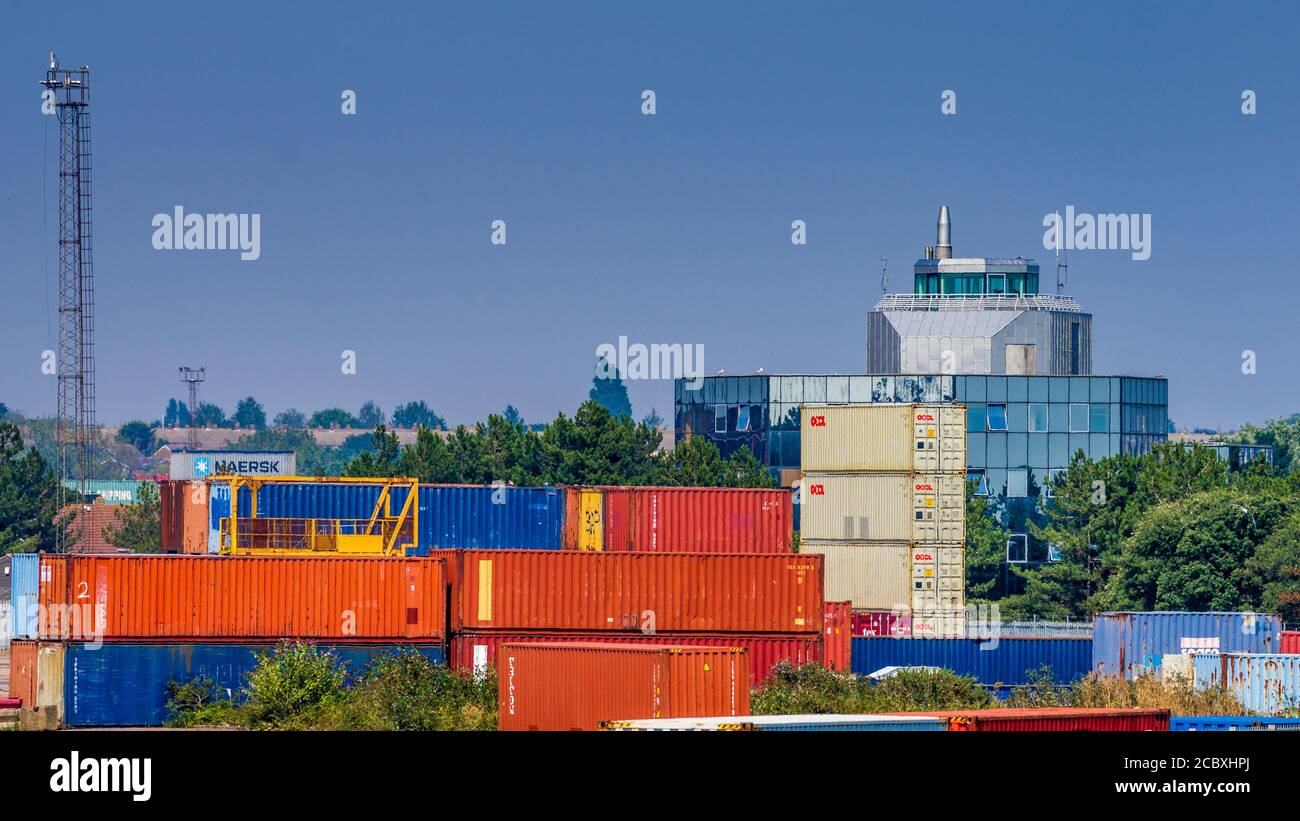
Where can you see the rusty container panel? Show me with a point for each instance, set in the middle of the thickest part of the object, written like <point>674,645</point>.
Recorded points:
<point>478,651</point>
<point>581,591</point>
<point>1289,642</point>
<point>1265,683</point>
<point>228,597</point>
<point>1045,719</point>
<point>837,635</point>
<point>698,519</point>
<point>171,494</point>
<point>1129,644</point>
<point>22,671</point>
<point>883,437</point>
<point>576,686</point>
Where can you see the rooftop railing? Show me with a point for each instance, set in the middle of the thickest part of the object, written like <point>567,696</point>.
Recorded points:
<point>978,302</point>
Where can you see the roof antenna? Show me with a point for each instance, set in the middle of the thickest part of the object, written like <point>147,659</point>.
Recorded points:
<point>884,275</point>
<point>1062,266</point>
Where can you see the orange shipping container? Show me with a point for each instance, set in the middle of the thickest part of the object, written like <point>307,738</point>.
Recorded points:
<point>638,592</point>
<point>837,635</point>
<point>577,686</point>
<point>245,597</point>
<point>22,671</point>
<point>184,516</point>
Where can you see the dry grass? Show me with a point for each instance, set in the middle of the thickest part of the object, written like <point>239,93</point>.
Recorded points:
<point>1175,695</point>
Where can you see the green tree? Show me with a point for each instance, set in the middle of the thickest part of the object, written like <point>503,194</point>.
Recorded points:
<point>986,547</point>
<point>208,415</point>
<point>596,447</point>
<point>249,414</point>
<point>139,526</point>
<point>694,462</point>
<point>1283,435</point>
<point>608,389</point>
<point>417,414</point>
<point>332,417</point>
<point>291,418</point>
<point>29,495</point>
<point>370,416</point>
<point>512,416</point>
<point>177,415</point>
<point>429,459</point>
<point>139,435</point>
<point>653,419</point>
<point>1273,572</point>
<point>383,458</point>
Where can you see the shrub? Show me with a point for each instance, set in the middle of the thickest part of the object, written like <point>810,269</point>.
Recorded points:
<point>292,684</point>
<point>406,691</point>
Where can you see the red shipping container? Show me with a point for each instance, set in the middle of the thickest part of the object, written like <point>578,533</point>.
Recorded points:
<point>703,519</point>
<point>576,686</point>
<point>477,651</point>
<point>581,591</point>
<point>243,597</point>
<point>837,638</point>
<point>22,671</point>
<point>1289,641</point>
<point>882,623</point>
<point>1040,719</point>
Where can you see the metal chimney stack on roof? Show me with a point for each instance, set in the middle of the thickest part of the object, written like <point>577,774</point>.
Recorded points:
<point>944,248</point>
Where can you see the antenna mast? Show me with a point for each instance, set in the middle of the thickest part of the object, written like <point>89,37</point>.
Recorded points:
<point>192,377</point>
<point>884,275</point>
<point>76,364</point>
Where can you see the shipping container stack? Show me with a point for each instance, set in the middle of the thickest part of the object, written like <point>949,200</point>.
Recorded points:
<point>113,631</point>
<point>883,499</point>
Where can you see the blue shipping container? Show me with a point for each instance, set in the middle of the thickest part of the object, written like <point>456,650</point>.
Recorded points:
<point>451,516</point>
<point>1264,683</point>
<point>792,723</point>
<point>1006,661</point>
<point>125,685</point>
<point>24,572</point>
<point>1232,724</point>
<point>1129,643</point>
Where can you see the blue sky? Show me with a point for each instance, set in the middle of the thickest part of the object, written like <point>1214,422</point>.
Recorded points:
<point>673,228</point>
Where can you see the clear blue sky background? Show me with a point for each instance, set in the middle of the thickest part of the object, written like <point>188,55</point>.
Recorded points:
<point>672,228</point>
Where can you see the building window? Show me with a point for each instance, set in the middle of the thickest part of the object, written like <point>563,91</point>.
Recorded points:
<point>979,476</point>
<point>742,418</point>
<point>997,417</point>
<point>1018,548</point>
<point>1017,484</point>
<point>1038,417</point>
<point>1074,348</point>
<point>1099,418</point>
<point>1078,418</point>
<point>975,421</point>
<point>719,418</point>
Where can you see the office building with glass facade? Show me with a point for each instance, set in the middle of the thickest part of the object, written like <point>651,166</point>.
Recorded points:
<point>1021,430</point>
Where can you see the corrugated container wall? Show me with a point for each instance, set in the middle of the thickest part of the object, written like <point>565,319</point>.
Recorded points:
<point>1129,643</point>
<point>1289,641</point>
<point>24,570</point>
<point>695,519</point>
<point>871,576</point>
<point>451,516</point>
<point>125,684</point>
<point>1267,684</point>
<point>1056,719</point>
<point>511,590</point>
<point>1008,661</point>
<point>837,636</point>
<point>578,686</point>
<point>226,597</point>
<point>883,437</point>
<point>22,670</point>
<point>884,507</point>
<point>1233,724</point>
<point>896,623</point>
<point>185,516</point>
<point>478,651</point>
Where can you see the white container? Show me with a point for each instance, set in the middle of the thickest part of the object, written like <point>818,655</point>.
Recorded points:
<point>884,438</point>
<point>884,507</point>
<point>871,576</point>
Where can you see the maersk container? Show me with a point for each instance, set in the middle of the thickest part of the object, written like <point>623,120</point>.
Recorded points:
<point>1264,683</point>
<point>929,508</point>
<point>451,516</point>
<point>873,576</point>
<point>830,722</point>
<point>125,685</point>
<point>19,580</point>
<point>883,437</point>
<point>1233,724</point>
<point>1007,661</point>
<point>1129,644</point>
